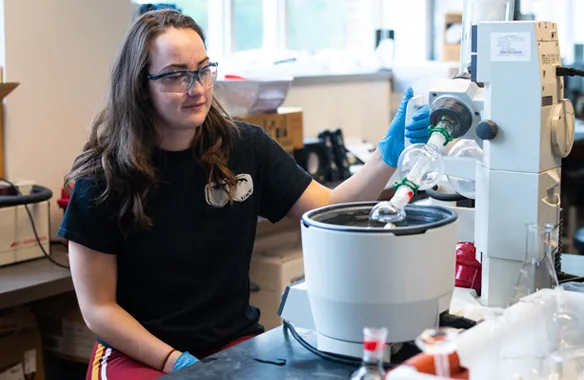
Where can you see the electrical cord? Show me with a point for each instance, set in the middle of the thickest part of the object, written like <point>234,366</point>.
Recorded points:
<point>571,279</point>
<point>407,351</point>
<point>444,197</point>
<point>327,356</point>
<point>562,71</point>
<point>25,200</point>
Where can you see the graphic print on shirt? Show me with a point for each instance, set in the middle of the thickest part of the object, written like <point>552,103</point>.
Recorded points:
<point>216,194</point>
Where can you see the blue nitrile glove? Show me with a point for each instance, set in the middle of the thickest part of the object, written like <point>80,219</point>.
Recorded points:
<point>417,131</point>
<point>184,360</point>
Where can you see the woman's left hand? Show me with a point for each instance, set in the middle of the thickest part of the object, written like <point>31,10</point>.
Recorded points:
<point>184,360</point>
<point>417,131</point>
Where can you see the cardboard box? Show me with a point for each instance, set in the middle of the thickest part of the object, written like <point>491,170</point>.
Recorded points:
<point>21,350</point>
<point>5,89</point>
<point>64,332</point>
<point>452,36</point>
<point>285,126</point>
<point>270,272</point>
<point>278,241</point>
<point>265,227</point>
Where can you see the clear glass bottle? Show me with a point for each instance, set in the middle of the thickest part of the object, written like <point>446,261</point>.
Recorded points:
<point>538,271</point>
<point>373,349</point>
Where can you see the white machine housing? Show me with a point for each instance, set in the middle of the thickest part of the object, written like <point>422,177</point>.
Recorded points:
<point>18,242</point>
<point>354,279</point>
<point>518,179</point>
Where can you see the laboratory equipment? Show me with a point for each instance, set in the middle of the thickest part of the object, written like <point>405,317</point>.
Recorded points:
<point>24,222</point>
<point>241,96</point>
<point>525,339</point>
<point>373,347</point>
<point>524,128</point>
<point>420,165</point>
<point>510,103</point>
<point>464,148</point>
<point>468,268</point>
<point>400,278</point>
<point>537,271</point>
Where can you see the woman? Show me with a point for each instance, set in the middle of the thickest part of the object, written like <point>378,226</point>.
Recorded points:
<point>168,189</point>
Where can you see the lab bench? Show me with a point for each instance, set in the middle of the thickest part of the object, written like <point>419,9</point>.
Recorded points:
<point>31,281</point>
<point>276,354</point>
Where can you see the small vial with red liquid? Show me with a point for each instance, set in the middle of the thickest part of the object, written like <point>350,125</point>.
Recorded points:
<point>373,349</point>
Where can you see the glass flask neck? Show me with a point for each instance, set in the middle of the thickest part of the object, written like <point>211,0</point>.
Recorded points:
<point>538,270</point>
<point>541,242</point>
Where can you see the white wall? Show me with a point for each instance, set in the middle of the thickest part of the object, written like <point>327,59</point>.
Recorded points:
<point>61,52</point>
<point>362,109</point>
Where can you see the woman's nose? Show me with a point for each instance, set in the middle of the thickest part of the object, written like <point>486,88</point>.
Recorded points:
<point>196,89</point>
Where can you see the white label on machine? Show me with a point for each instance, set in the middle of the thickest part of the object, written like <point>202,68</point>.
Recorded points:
<point>510,47</point>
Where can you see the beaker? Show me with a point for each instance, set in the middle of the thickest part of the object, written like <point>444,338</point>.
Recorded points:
<point>476,11</point>
<point>538,271</point>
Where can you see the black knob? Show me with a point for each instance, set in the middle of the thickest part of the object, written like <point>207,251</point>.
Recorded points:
<point>487,129</point>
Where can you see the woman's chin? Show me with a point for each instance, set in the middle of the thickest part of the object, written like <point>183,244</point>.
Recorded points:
<point>194,122</point>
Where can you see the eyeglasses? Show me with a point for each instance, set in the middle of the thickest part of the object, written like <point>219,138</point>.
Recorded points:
<point>182,81</point>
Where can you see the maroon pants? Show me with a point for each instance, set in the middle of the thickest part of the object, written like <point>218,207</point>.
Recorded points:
<point>110,364</point>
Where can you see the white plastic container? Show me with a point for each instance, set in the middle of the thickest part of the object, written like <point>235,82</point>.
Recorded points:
<point>400,278</point>
<point>248,97</point>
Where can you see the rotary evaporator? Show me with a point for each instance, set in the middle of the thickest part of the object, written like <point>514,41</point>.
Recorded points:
<point>505,126</point>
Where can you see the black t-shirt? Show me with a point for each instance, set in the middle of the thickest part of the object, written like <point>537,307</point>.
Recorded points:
<point>186,280</point>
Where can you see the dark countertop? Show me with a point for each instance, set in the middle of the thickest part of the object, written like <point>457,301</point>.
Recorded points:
<point>239,362</point>
<point>34,280</point>
<point>296,362</point>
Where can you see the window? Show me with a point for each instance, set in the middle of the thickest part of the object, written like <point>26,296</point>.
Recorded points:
<point>197,9</point>
<point>314,25</point>
<point>248,18</point>
<point>310,26</point>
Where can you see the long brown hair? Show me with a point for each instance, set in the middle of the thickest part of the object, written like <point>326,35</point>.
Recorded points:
<point>124,133</point>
